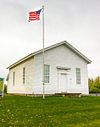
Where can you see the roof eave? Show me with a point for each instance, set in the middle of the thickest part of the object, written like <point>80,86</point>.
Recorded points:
<point>50,47</point>
<point>20,61</point>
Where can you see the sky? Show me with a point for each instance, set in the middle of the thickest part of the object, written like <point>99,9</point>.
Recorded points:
<point>76,21</point>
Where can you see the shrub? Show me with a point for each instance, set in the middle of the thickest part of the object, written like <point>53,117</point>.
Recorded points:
<point>90,82</point>
<point>94,90</point>
<point>96,83</point>
<point>5,88</point>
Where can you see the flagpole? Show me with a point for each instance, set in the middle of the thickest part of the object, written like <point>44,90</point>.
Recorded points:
<point>43,50</point>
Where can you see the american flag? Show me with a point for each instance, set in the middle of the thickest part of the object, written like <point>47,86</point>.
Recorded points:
<point>35,15</point>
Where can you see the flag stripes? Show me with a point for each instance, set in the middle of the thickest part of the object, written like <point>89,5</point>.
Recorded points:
<point>34,15</point>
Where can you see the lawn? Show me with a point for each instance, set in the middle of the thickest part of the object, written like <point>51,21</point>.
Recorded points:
<point>16,111</point>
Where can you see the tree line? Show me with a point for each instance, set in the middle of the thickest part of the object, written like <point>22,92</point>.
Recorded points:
<point>94,85</point>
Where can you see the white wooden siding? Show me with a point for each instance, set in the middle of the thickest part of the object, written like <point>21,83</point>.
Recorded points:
<point>19,87</point>
<point>60,56</point>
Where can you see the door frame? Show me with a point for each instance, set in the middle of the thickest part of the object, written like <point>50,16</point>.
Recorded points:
<point>64,71</point>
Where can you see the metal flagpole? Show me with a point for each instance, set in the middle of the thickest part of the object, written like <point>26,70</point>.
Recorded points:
<point>43,51</point>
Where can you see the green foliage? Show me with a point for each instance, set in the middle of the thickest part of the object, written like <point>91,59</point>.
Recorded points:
<point>5,88</point>
<point>94,90</point>
<point>94,85</point>
<point>90,82</point>
<point>20,111</point>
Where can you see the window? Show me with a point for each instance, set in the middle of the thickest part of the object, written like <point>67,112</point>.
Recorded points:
<point>78,76</point>
<point>46,73</point>
<point>24,75</point>
<point>13,78</point>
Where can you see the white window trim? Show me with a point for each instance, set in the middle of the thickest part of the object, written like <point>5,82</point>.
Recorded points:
<point>14,78</point>
<point>24,75</point>
<point>47,83</point>
<point>78,77</point>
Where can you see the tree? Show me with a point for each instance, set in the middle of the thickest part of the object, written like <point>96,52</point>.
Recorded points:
<point>5,88</point>
<point>96,83</point>
<point>90,82</point>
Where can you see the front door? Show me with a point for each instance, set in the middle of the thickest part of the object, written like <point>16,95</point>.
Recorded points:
<point>62,82</point>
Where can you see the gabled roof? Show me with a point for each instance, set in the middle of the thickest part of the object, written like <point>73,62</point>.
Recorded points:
<point>51,47</point>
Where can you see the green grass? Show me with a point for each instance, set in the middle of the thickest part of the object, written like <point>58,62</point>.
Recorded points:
<point>16,111</point>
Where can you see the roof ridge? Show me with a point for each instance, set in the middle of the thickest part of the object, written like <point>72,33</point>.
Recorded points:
<point>48,48</point>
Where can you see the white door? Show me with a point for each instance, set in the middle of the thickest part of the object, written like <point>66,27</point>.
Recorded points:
<point>62,82</point>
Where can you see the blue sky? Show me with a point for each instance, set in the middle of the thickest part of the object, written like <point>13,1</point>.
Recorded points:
<point>76,21</point>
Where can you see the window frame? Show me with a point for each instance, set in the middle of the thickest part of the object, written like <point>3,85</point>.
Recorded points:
<point>78,76</point>
<point>46,73</point>
<point>14,78</point>
<point>24,75</point>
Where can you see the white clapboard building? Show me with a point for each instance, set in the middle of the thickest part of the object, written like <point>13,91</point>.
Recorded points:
<point>65,71</point>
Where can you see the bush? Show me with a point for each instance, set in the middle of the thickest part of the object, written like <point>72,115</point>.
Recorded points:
<point>5,88</point>
<point>90,82</point>
<point>94,90</point>
<point>96,83</point>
